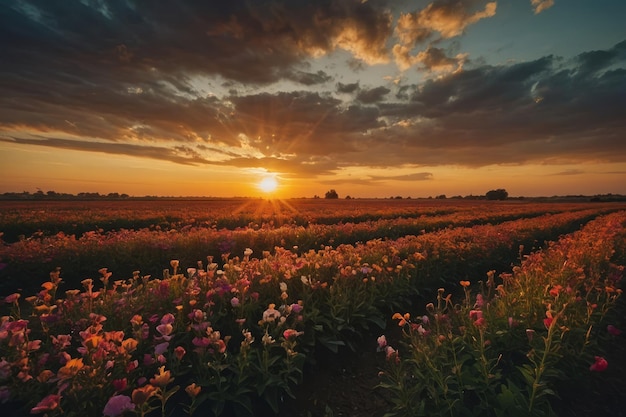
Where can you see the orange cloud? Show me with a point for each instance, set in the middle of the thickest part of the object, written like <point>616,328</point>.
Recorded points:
<point>541,5</point>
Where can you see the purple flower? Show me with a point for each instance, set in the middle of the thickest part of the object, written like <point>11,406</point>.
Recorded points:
<point>117,404</point>
<point>161,348</point>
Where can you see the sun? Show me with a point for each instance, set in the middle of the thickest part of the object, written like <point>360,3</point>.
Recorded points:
<point>268,184</point>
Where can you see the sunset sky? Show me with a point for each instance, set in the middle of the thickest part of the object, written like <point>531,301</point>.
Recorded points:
<point>373,98</point>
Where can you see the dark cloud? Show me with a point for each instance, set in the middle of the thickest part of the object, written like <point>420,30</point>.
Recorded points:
<point>347,88</point>
<point>179,155</point>
<point>309,78</point>
<point>372,95</point>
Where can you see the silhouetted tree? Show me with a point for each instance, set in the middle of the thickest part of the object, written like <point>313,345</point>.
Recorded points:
<point>331,194</point>
<point>499,194</point>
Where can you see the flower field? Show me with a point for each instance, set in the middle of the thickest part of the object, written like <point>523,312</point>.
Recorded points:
<point>233,307</point>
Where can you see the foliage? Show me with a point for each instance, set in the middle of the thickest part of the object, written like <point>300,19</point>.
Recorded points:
<point>505,348</point>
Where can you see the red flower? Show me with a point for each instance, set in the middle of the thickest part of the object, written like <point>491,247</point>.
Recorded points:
<point>599,365</point>
<point>547,322</point>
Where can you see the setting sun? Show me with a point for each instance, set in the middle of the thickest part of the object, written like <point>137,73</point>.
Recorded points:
<point>268,184</point>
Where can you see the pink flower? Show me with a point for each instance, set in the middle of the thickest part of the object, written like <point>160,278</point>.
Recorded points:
<point>480,322</point>
<point>10,299</point>
<point>613,331</point>
<point>291,333</point>
<point>234,302</point>
<point>599,365</point>
<point>117,404</point>
<point>382,342</point>
<point>391,353</point>
<point>49,403</point>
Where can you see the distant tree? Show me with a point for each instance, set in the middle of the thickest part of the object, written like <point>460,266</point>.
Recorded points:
<point>348,197</point>
<point>499,194</point>
<point>441,197</point>
<point>332,194</point>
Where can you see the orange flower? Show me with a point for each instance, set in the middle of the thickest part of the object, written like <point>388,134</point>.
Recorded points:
<point>162,379</point>
<point>129,345</point>
<point>92,342</point>
<point>193,390</point>
<point>143,394</point>
<point>464,284</point>
<point>70,369</point>
<point>403,320</point>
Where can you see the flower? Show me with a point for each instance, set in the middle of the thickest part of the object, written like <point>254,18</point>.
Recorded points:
<point>271,314</point>
<point>143,394</point>
<point>117,404</point>
<point>162,379</point>
<point>179,352</point>
<point>599,365</point>
<point>402,319</point>
<point>10,299</point>
<point>49,403</point>
<point>547,322</point>
<point>234,302</point>
<point>70,369</point>
<point>391,353</point>
<point>291,333</point>
<point>613,331</point>
<point>382,342</point>
<point>120,384</point>
<point>193,390</point>
<point>464,284</point>
<point>479,301</point>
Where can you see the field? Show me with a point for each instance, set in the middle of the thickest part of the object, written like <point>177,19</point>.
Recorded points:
<point>312,307</point>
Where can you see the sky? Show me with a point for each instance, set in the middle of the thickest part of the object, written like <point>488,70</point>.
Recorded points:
<point>371,98</point>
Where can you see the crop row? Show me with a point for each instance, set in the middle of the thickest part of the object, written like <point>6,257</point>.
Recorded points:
<point>19,220</point>
<point>128,250</point>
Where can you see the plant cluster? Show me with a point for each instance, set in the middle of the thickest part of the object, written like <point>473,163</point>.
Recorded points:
<point>506,346</point>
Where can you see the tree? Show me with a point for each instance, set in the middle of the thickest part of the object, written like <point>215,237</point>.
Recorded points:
<point>332,194</point>
<point>499,194</point>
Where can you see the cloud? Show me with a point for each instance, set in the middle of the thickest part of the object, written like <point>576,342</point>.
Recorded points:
<point>179,155</point>
<point>372,95</point>
<point>417,176</point>
<point>347,88</point>
<point>570,172</point>
<point>447,17</point>
<point>541,5</point>
<point>205,86</point>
